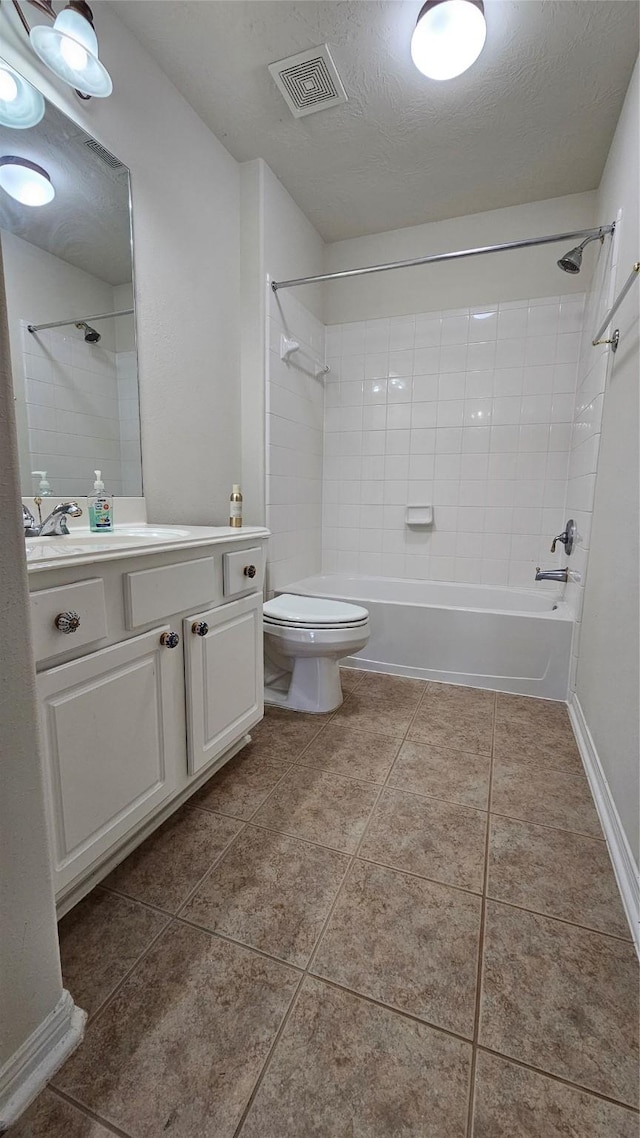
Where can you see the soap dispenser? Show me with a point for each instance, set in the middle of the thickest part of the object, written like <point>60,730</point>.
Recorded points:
<point>44,488</point>
<point>100,507</point>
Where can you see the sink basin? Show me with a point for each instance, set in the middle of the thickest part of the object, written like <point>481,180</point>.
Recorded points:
<point>129,535</point>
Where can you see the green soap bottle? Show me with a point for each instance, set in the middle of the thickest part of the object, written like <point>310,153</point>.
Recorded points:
<point>100,507</point>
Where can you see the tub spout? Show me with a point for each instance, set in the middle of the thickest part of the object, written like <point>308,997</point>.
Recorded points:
<point>552,574</point>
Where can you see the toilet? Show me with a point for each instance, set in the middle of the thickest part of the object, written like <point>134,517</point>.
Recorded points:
<point>304,638</point>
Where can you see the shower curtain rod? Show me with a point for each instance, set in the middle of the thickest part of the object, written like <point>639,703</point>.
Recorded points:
<point>79,320</point>
<point>524,244</point>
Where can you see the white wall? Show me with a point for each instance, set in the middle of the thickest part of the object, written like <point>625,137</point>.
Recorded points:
<point>607,678</point>
<point>515,275</point>
<point>468,411</point>
<point>185,192</point>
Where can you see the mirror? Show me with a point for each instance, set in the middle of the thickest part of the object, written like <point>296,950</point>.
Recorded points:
<point>68,262</point>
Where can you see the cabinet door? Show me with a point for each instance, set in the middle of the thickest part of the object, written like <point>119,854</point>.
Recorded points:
<point>224,672</point>
<point>110,726</point>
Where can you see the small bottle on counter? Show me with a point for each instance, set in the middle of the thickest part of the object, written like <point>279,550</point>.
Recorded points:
<point>100,507</point>
<point>235,507</point>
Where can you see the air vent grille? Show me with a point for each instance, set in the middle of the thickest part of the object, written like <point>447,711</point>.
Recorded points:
<point>103,154</point>
<point>309,81</point>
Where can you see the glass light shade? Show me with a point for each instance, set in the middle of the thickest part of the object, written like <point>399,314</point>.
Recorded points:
<point>448,38</point>
<point>70,50</point>
<point>25,181</point>
<point>21,105</point>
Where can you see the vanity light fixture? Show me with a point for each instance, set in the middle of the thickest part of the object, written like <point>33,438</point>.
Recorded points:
<point>21,105</point>
<point>70,47</point>
<point>448,37</point>
<point>25,181</point>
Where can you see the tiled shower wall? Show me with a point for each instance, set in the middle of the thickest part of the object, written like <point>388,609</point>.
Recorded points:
<point>470,411</point>
<point>73,413</point>
<point>294,424</point>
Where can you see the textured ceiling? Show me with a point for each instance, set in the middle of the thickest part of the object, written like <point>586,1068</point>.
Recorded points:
<point>532,119</point>
<point>87,223</point>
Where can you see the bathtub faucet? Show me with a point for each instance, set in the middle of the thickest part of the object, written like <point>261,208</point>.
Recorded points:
<point>552,574</point>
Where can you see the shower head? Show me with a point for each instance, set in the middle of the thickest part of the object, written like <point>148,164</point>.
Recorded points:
<point>572,261</point>
<point>90,334</point>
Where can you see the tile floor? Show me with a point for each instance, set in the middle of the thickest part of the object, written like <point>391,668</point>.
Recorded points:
<point>397,921</point>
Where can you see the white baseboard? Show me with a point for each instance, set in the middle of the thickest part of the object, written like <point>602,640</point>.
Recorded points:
<point>31,1067</point>
<point>622,858</point>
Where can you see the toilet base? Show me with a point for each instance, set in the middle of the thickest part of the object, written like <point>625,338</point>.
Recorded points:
<point>315,686</point>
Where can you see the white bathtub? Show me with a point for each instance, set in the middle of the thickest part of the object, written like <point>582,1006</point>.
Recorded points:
<point>512,640</point>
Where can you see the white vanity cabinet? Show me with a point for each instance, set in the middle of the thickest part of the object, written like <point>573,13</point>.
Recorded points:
<point>157,691</point>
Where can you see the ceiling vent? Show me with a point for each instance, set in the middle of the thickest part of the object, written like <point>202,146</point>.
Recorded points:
<point>309,81</point>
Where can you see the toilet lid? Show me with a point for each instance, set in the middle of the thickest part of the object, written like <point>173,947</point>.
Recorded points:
<point>292,609</point>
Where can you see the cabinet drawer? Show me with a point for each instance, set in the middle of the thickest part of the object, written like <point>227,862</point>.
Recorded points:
<point>154,594</point>
<point>84,599</point>
<point>242,572</point>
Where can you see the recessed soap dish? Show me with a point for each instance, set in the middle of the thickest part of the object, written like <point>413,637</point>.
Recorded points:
<point>419,516</point>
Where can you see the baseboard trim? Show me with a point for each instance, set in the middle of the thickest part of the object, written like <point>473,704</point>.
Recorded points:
<point>31,1067</point>
<point>622,858</point>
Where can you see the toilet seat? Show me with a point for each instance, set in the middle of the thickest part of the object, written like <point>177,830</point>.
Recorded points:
<point>291,611</point>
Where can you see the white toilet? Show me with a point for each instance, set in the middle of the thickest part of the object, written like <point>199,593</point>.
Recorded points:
<point>304,638</point>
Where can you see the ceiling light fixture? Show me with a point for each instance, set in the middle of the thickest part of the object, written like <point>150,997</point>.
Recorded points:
<point>21,105</point>
<point>25,181</point>
<point>448,37</point>
<point>70,47</point>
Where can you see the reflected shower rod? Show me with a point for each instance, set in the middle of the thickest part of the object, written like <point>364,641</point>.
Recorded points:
<point>79,320</point>
<point>525,243</point>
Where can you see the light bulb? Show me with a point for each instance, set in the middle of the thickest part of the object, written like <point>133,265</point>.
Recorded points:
<point>8,87</point>
<point>74,54</point>
<point>448,37</point>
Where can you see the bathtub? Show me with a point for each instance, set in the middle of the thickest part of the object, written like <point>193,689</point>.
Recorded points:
<point>504,639</point>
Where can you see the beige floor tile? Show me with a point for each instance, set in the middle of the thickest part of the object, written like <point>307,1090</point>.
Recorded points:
<point>100,939</point>
<point>51,1117</point>
<point>283,735</point>
<point>410,943</point>
<point>544,745</point>
<point>560,874</point>
<point>538,794</point>
<point>272,892</point>
<point>242,784</point>
<point>446,726</point>
<point>512,1102</point>
<point>531,712</point>
<point>350,679</point>
<point>427,836</point>
<point>167,866</point>
<point>562,999</point>
<point>398,689</point>
<point>320,807</point>
<point>181,1045</point>
<point>344,1067</point>
<point>352,752</point>
<point>457,776</point>
<point>374,714</point>
<point>463,699</point>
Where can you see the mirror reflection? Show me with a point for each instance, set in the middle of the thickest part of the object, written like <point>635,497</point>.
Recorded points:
<point>65,230</point>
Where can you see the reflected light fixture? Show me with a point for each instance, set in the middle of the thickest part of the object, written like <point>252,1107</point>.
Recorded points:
<point>448,37</point>
<point>21,105</point>
<point>25,181</point>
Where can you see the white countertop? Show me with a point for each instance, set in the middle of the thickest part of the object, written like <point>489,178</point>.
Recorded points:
<point>81,547</point>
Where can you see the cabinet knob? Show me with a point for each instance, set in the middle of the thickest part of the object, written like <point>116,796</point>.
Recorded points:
<point>249,570</point>
<point>67,622</point>
<point>170,639</point>
<point>200,628</point>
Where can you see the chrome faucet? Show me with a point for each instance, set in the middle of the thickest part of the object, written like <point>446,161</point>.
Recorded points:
<point>552,574</point>
<point>55,525</point>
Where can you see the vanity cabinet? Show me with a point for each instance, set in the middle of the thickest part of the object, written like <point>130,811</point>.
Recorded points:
<point>148,701</point>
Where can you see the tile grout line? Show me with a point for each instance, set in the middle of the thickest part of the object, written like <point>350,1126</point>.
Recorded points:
<point>481,932</point>
<point>88,1113</point>
<point>309,964</point>
<point>558,1079</point>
